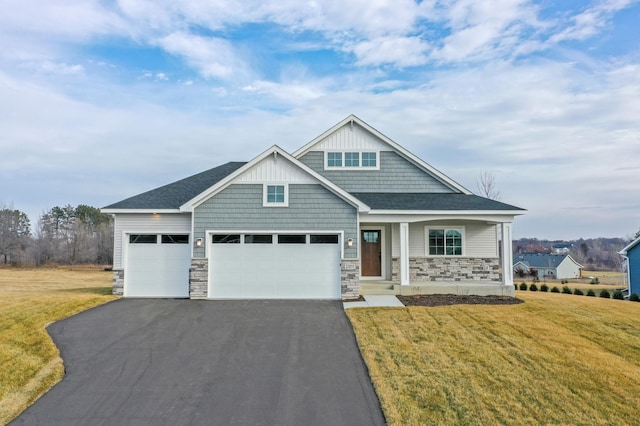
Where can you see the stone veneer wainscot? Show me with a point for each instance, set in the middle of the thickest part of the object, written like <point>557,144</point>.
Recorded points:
<point>427,269</point>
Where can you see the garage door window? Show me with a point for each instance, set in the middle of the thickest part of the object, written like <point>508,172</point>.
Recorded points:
<point>175,239</point>
<point>292,239</point>
<point>324,239</point>
<point>143,238</point>
<point>258,239</point>
<point>226,239</point>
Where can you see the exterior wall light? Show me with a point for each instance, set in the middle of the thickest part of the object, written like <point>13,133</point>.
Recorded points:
<point>350,242</point>
<point>199,242</point>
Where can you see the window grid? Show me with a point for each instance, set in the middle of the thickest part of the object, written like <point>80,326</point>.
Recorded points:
<point>351,159</point>
<point>275,194</point>
<point>369,159</point>
<point>334,159</point>
<point>445,242</point>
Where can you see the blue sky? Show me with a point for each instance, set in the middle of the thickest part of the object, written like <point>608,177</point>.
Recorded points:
<point>100,100</point>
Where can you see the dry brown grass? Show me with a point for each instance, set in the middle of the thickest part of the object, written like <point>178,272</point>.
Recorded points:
<point>556,359</point>
<point>30,299</point>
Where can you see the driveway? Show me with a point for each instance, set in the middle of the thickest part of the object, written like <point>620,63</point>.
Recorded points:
<point>186,362</point>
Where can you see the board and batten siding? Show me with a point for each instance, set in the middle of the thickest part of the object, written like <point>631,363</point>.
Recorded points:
<point>311,207</point>
<point>145,223</point>
<point>396,175</point>
<point>480,239</point>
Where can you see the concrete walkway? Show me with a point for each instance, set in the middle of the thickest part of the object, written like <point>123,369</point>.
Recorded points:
<point>375,301</point>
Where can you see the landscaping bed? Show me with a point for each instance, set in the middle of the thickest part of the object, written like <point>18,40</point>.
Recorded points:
<point>452,299</point>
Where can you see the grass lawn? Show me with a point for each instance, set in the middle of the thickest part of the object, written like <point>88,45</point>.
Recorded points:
<point>555,359</point>
<point>30,299</point>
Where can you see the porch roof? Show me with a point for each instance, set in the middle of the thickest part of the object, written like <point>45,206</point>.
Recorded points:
<point>432,202</point>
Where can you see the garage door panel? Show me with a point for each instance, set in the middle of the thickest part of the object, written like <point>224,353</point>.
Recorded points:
<point>274,271</point>
<point>157,270</point>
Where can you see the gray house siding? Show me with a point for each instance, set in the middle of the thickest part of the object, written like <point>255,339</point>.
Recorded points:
<point>311,207</point>
<point>396,174</point>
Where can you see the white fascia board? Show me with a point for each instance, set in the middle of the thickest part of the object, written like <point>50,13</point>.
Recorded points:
<point>573,260</point>
<point>412,217</point>
<point>402,151</point>
<point>275,149</point>
<point>145,211</point>
<point>449,212</point>
<point>633,243</point>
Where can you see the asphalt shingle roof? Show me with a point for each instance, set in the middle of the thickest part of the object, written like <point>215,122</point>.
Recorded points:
<point>175,194</point>
<point>429,201</point>
<point>539,260</point>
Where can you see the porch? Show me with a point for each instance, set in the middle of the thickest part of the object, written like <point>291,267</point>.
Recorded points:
<point>471,288</point>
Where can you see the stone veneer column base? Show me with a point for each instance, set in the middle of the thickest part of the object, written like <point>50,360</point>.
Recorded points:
<point>118,282</point>
<point>198,278</point>
<point>448,269</point>
<point>350,279</point>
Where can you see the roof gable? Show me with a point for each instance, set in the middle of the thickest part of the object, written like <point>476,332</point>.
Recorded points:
<point>272,162</point>
<point>543,260</point>
<point>353,130</point>
<point>635,243</point>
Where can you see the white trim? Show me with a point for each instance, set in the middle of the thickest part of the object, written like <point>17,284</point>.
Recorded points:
<point>265,187</point>
<point>399,149</point>
<point>358,151</point>
<point>145,211</point>
<point>448,212</point>
<point>507,254</point>
<point>383,254</point>
<point>446,228</point>
<point>224,183</point>
<point>631,245</point>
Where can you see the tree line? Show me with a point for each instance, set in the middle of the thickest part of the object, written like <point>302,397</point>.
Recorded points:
<point>62,235</point>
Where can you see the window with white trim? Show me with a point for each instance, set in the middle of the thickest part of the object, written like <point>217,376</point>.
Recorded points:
<point>354,160</point>
<point>276,195</point>
<point>444,241</point>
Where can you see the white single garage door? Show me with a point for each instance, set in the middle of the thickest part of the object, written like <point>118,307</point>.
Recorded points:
<point>157,265</point>
<point>274,266</point>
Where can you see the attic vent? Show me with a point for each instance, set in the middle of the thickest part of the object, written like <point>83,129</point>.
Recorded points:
<point>351,125</point>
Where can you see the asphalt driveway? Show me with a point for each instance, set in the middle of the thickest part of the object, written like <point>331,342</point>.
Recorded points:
<point>185,362</point>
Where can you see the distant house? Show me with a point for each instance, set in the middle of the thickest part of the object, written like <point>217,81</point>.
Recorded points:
<point>548,265</point>
<point>561,249</point>
<point>631,253</point>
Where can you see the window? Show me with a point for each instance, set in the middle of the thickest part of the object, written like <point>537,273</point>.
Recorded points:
<point>175,239</point>
<point>351,159</point>
<point>226,239</point>
<point>143,239</point>
<point>292,239</point>
<point>276,195</point>
<point>258,239</point>
<point>354,160</point>
<point>369,159</point>
<point>324,239</point>
<point>445,242</point>
<point>334,159</point>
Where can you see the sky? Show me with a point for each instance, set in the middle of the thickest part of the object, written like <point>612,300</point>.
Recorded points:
<point>101,100</point>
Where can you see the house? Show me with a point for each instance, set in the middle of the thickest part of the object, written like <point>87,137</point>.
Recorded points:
<point>350,206</point>
<point>631,254</point>
<point>549,265</point>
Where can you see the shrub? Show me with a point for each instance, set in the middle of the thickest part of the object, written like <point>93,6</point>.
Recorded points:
<point>634,297</point>
<point>523,286</point>
<point>595,281</point>
<point>564,281</point>
<point>578,292</point>
<point>536,279</point>
<point>555,290</point>
<point>604,293</point>
<point>591,293</point>
<point>544,288</point>
<point>533,287</point>
<point>617,294</point>
<point>566,290</point>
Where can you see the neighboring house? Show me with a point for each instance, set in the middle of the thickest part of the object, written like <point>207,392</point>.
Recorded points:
<point>548,265</point>
<point>631,253</point>
<point>350,205</point>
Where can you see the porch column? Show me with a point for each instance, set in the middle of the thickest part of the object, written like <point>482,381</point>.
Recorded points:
<point>507,254</point>
<point>404,253</point>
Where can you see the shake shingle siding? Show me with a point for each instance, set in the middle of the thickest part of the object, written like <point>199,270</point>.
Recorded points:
<point>395,175</point>
<point>311,207</point>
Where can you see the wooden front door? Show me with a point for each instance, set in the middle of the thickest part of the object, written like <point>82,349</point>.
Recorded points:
<point>371,246</point>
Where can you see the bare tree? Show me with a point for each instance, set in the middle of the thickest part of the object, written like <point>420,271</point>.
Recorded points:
<point>15,232</point>
<point>486,184</point>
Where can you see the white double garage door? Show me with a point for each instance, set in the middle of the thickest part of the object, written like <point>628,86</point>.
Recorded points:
<point>241,266</point>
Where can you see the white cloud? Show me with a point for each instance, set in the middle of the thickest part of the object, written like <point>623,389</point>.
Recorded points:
<point>400,51</point>
<point>591,21</point>
<point>212,57</point>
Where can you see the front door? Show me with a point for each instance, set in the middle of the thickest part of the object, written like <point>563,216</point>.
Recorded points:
<point>371,246</point>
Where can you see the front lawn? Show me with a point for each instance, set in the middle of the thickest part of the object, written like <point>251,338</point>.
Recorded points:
<point>29,300</point>
<point>555,359</point>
